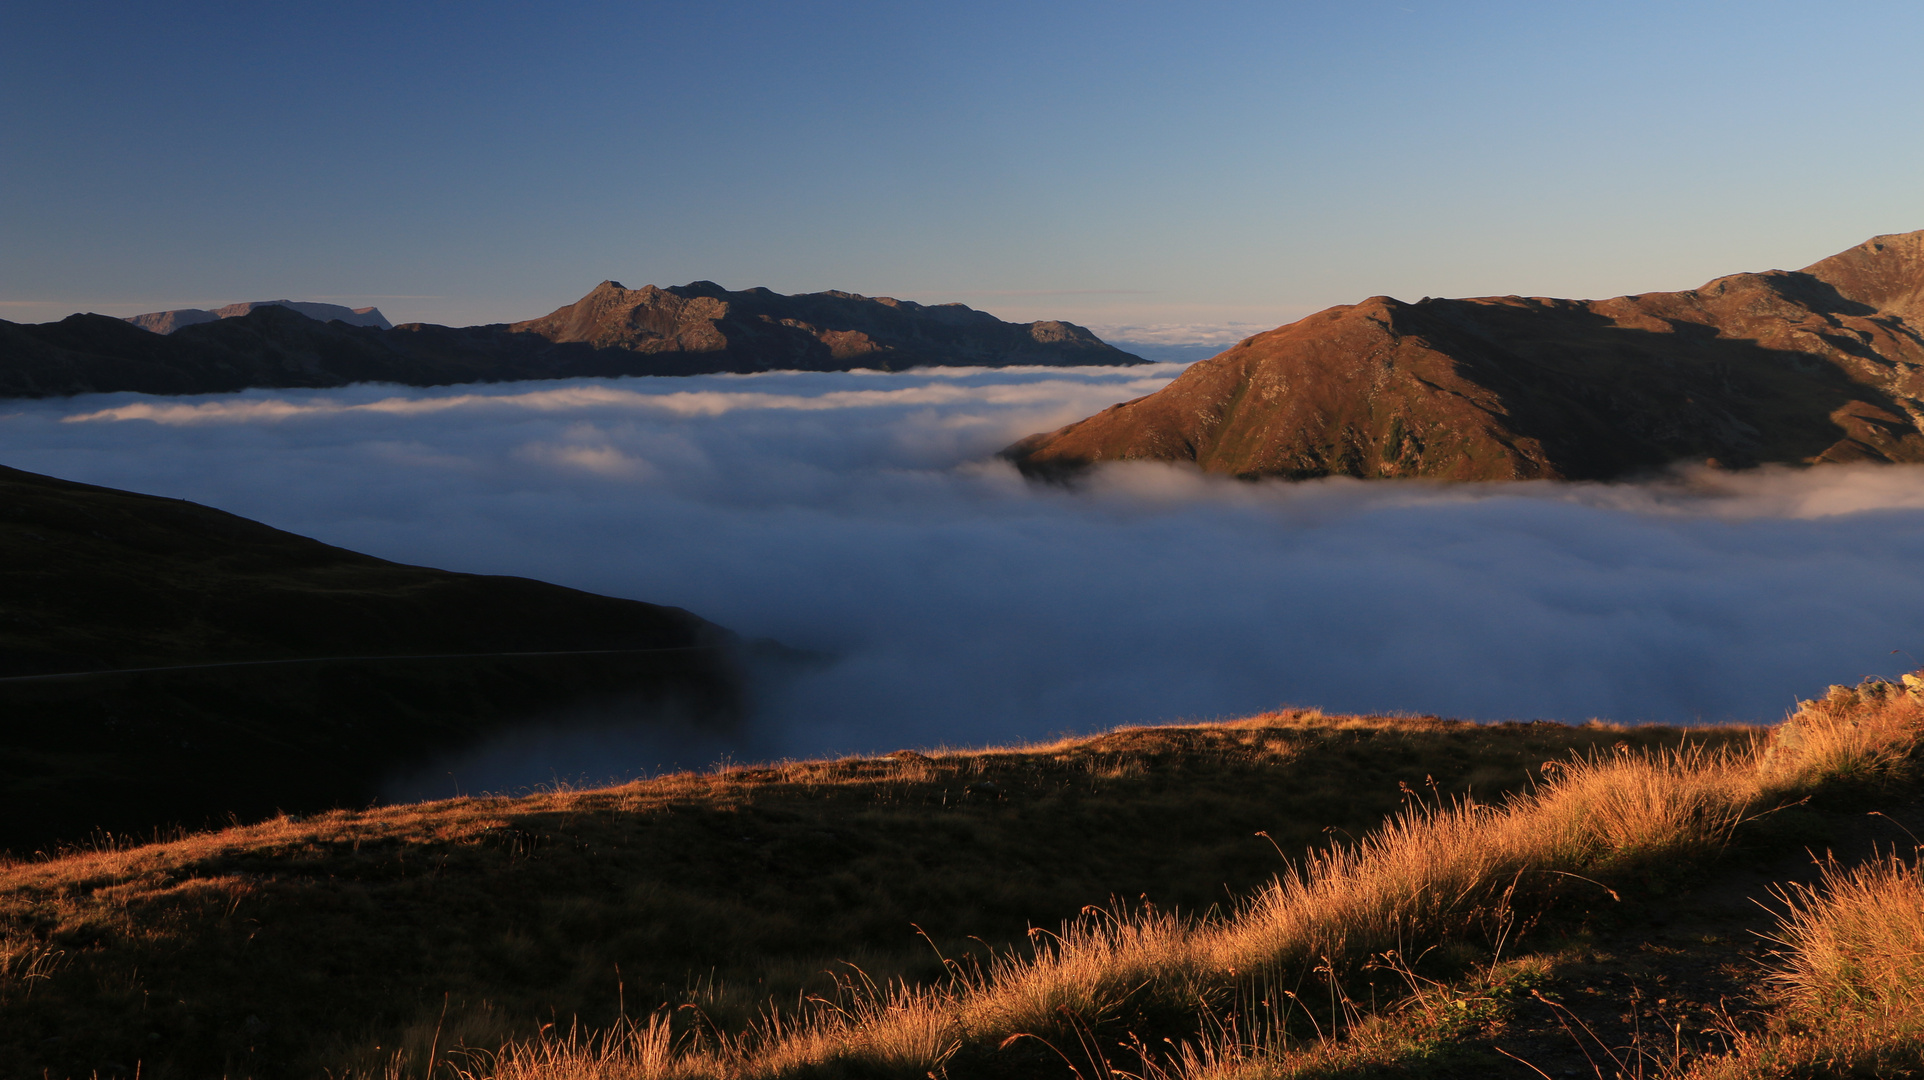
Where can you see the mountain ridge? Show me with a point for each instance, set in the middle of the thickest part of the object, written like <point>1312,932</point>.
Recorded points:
<point>700,328</point>
<point>1824,364</point>
<point>166,322</point>
<point>807,329</point>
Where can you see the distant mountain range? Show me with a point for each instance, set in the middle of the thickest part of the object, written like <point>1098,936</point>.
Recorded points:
<point>1825,364</point>
<point>166,322</point>
<point>687,330</point>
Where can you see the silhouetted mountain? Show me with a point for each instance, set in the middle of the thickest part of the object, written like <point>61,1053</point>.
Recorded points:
<point>237,668</point>
<point>689,330</point>
<point>166,322</point>
<point>1823,364</point>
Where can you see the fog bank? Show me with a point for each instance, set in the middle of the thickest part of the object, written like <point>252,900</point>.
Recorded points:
<point>864,514</point>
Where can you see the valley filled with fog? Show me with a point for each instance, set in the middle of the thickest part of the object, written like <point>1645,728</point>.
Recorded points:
<point>864,516</point>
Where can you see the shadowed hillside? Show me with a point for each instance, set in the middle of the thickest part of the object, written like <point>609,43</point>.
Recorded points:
<point>1820,365</point>
<point>164,662</point>
<point>686,330</point>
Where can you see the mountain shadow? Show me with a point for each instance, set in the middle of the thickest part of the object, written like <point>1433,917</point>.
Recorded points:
<point>164,663</point>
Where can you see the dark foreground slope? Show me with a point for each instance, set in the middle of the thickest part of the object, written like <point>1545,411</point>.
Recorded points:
<point>357,940</point>
<point>1819,365</point>
<point>162,662</point>
<point>687,330</point>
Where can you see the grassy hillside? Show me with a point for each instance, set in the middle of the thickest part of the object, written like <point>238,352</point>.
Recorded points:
<point>1458,900</point>
<point>294,946</point>
<point>1600,923</point>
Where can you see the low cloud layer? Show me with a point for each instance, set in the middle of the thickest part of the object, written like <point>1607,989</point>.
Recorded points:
<point>1220,334</point>
<point>864,514</point>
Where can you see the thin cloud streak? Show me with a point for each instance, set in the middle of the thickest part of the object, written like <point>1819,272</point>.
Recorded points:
<point>1219,334</point>
<point>576,398</point>
<point>1043,292</point>
<point>864,514</point>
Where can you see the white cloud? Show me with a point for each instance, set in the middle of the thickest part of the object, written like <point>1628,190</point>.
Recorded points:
<point>1219,334</point>
<point>600,460</point>
<point>659,396</point>
<point>865,514</point>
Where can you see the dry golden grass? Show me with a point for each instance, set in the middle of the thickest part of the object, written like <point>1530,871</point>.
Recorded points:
<point>406,936</point>
<point>1854,946</point>
<point>628,1051</point>
<point>1850,977</point>
<point>1437,871</point>
<point>1422,1027</point>
<point>1434,871</point>
<point>336,941</point>
<point>1851,735</point>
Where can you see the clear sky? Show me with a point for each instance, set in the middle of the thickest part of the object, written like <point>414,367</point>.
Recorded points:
<point>1113,163</point>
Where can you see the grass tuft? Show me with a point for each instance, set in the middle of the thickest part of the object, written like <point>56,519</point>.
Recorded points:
<point>1849,976</point>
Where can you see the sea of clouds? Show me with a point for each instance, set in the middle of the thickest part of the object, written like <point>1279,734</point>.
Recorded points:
<point>1178,342</point>
<point>865,515</point>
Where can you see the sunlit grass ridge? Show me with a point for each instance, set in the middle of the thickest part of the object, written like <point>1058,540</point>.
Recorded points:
<point>1440,870</point>
<point>467,923</point>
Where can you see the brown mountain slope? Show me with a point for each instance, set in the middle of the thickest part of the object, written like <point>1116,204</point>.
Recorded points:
<point>1822,364</point>
<point>263,664</point>
<point>827,331</point>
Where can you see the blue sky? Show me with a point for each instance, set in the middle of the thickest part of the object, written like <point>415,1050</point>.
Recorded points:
<point>1115,163</point>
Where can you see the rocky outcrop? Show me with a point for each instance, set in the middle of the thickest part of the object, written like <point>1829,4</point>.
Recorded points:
<point>689,330</point>
<point>1818,365</point>
<point>166,322</point>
